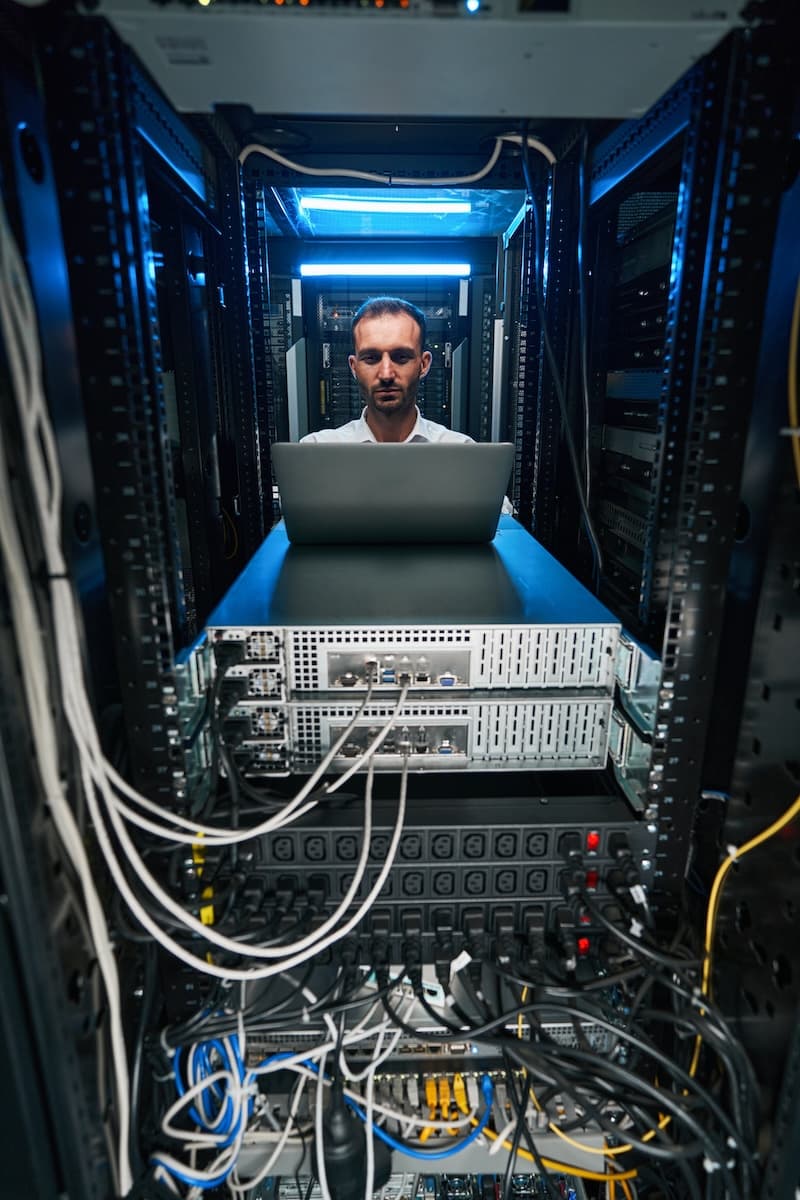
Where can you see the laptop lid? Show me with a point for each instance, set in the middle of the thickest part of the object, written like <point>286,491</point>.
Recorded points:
<point>366,492</point>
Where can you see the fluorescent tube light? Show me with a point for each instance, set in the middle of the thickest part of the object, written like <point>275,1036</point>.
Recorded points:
<point>435,207</point>
<point>454,268</point>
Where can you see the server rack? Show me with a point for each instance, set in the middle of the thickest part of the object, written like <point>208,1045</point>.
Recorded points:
<point>53,1135</point>
<point>680,850</point>
<point>121,149</point>
<point>682,206</point>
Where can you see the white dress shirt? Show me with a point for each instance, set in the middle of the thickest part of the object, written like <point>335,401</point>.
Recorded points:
<point>359,431</point>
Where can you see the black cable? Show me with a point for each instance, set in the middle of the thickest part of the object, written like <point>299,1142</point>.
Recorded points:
<point>147,998</point>
<point>661,1099</point>
<point>519,1104</point>
<point>506,1192</point>
<point>639,945</point>
<point>681,1077</point>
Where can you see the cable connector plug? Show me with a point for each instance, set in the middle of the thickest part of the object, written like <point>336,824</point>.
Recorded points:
<point>232,689</point>
<point>379,946</point>
<point>565,929</point>
<point>229,653</point>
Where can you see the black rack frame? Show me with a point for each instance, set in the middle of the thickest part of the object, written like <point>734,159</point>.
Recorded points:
<point>732,112</point>
<point>107,120</point>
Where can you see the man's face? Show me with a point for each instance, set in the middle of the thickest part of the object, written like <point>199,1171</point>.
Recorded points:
<point>389,362</point>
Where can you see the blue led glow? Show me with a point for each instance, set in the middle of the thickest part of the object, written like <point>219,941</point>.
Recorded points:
<point>473,5</point>
<point>460,269</point>
<point>421,207</point>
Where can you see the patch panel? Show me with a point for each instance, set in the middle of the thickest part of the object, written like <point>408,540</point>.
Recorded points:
<point>262,1044</point>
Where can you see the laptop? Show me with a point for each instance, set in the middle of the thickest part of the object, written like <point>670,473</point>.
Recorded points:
<point>367,492</point>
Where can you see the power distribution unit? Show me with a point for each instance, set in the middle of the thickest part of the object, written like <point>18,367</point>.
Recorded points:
<point>507,661</point>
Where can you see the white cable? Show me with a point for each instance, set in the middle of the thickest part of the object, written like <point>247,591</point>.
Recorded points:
<point>381,1053</point>
<point>216,836</point>
<point>212,836</point>
<point>17,317</point>
<point>314,939</point>
<point>371,176</point>
<point>210,968</point>
<point>399,180</point>
<point>515,139</point>
<point>374,745</point>
<point>234,1182</point>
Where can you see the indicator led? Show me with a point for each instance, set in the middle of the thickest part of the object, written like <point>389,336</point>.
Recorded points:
<point>593,841</point>
<point>584,945</point>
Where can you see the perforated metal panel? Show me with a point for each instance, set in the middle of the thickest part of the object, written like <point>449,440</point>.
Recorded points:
<point>542,656</point>
<point>473,735</point>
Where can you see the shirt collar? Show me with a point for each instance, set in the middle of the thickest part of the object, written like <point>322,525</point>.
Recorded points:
<point>366,434</point>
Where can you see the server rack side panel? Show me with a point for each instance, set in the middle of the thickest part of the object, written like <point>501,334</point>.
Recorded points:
<point>523,331</point>
<point>49,1016</point>
<point>30,193</point>
<point>724,225</point>
<point>748,160</point>
<point>758,966</point>
<point>556,510</point>
<point>181,247</point>
<point>258,423</point>
<point>89,93</point>
<point>51,1137</point>
<point>244,508</point>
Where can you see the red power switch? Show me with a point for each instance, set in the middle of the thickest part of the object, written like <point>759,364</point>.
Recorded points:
<point>593,841</point>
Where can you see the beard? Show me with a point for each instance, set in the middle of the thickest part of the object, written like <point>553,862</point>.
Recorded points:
<point>392,400</point>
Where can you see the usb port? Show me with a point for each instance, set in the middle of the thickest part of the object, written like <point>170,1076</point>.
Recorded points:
<point>388,675</point>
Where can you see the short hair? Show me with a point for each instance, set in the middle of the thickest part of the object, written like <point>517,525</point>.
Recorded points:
<point>380,306</point>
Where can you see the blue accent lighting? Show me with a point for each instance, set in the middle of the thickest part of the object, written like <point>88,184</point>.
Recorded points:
<point>458,269</point>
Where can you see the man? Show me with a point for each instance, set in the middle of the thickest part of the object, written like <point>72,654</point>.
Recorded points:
<point>389,359</point>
